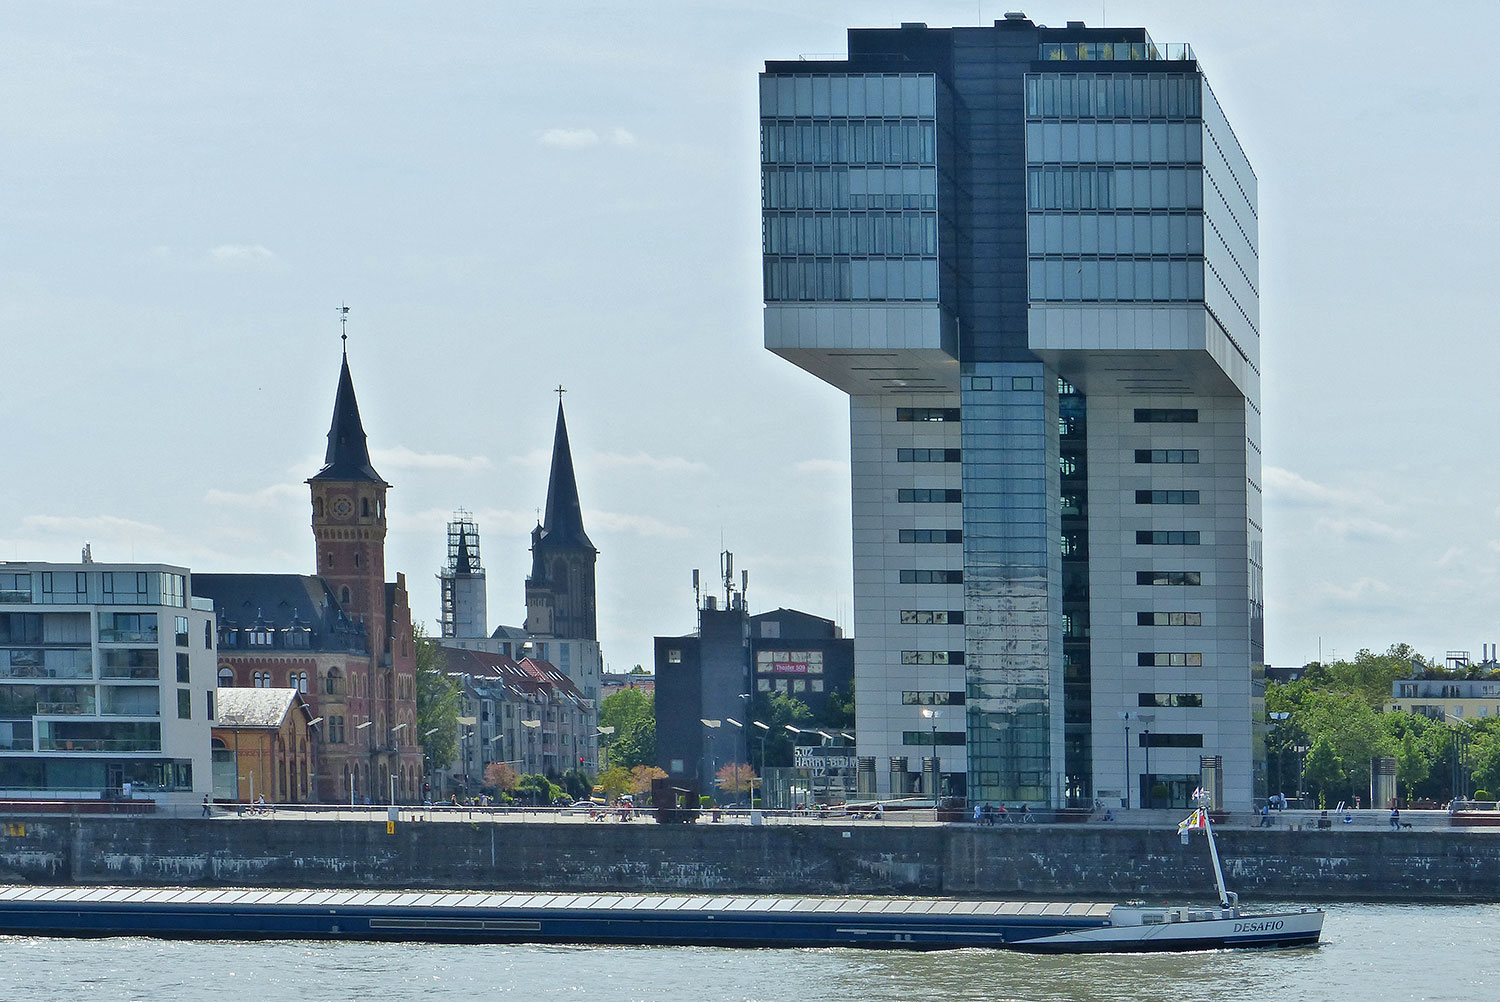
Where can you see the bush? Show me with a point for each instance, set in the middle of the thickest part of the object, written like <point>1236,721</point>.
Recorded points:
<point>706,802</point>
<point>1481,794</point>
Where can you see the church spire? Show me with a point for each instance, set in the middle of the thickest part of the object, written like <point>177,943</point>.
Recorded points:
<point>562,525</point>
<point>348,457</point>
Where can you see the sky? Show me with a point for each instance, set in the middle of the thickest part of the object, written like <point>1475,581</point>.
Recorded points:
<point>517,196</point>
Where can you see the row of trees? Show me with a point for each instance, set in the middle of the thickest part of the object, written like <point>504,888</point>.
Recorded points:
<point>1335,726</point>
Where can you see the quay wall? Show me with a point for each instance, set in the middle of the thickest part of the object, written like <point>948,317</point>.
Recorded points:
<point>1066,861</point>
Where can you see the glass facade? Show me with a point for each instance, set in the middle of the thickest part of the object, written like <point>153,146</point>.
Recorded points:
<point>1012,580</point>
<point>849,187</point>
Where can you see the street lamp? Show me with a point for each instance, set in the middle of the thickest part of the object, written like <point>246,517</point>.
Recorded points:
<point>1277,719</point>
<point>1125,782</point>
<point>933,714</point>
<point>712,725</point>
<point>1146,720</point>
<point>764,730</point>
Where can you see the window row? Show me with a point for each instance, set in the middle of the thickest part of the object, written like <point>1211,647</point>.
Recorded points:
<point>1154,740</point>
<point>936,617</point>
<point>1166,455</point>
<point>930,495</point>
<point>1168,659</point>
<point>918,698</point>
<point>1113,95</point>
<point>1166,497</point>
<point>1160,537</point>
<point>926,413</point>
<point>860,234</point>
<point>928,456</point>
<point>1118,281</point>
<point>788,685</point>
<point>835,188</point>
<point>932,657</point>
<point>840,279</point>
<point>931,536</point>
<point>849,94</point>
<point>1168,699</point>
<point>1169,619</point>
<point>950,738</point>
<point>1122,234</point>
<point>1176,578</point>
<point>931,577</point>
<point>1166,415</point>
<point>1114,188</point>
<point>1114,142</point>
<point>868,142</point>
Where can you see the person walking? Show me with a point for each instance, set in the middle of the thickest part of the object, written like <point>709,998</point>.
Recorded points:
<point>1395,818</point>
<point>207,811</point>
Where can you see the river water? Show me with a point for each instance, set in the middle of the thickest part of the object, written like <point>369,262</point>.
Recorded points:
<point>1379,953</point>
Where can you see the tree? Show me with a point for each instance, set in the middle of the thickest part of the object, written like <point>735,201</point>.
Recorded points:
<point>837,713</point>
<point>1412,763</point>
<point>639,670</point>
<point>777,711</point>
<point>735,778</point>
<point>1323,770</point>
<point>437,702</point>
<point>613,782</point>
<point>537,790</point>
<point>501,776</point>
<point>641,777</point>
<point>632,714</point>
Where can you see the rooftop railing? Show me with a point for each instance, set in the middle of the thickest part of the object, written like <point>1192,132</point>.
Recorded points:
<point>1116,51</point>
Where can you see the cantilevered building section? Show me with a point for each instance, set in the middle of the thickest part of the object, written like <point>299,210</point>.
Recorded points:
<point>1029,255</point>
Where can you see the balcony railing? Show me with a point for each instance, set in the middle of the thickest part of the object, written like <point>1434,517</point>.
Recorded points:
<point>127,636</point>
<point>99,744</point>
<point>1117,51</point>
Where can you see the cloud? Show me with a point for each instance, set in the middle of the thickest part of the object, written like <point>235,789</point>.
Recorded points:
<point>273,496</point>
<point>835,467</point>
<point>241,254</point>
<point>639,525</point>
<point>402,458</point>
<point>581,139</point>
<point>1289,488</point>
<point>570,139</point>
<point>1358,529</point>
<point>1357,594</point>
<point>641,460</point>
<point>102,525</point>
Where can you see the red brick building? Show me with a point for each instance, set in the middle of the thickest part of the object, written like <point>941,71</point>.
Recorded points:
<point>341,636</point>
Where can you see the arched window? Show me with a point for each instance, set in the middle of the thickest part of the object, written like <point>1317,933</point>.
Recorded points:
<point>331,685</point>
<point>299,681</point>
<point>364,507</point>
<point>226,677</point>
<point>357,560</point>
<point>318,507</point>
<point>344,596</point>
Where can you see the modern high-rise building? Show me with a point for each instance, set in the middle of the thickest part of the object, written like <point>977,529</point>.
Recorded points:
<point>1029,256</point>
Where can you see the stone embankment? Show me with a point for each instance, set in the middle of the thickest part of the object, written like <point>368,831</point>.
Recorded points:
<point>1032,861</point>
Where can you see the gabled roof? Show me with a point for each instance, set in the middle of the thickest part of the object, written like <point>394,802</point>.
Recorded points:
<point>562,525</point>
<point>254,707</point>
<point>281,602</point>
<point>348,456</point>
<point>529,678</point>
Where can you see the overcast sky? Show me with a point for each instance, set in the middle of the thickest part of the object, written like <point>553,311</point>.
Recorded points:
<point>513,196</point>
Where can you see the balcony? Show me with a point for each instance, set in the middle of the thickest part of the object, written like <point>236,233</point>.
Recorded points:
<point>1117,51</point>
<point>108,636</point>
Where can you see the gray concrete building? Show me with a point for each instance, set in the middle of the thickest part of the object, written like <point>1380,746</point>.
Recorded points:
<point>1029,256</point>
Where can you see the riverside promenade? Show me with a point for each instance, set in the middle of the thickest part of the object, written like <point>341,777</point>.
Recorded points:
<point>1137,856</point>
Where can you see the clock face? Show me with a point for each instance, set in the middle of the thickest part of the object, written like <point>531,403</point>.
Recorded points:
<point>342,506</point>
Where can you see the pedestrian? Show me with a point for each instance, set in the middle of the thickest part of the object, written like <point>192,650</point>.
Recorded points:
<point>206,811</point>
<point>1395,818</point>
<point>1265,815</point>
<point>879,812</point>
<point>978,813</point>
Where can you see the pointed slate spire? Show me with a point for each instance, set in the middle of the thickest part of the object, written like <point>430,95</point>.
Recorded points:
<point>465,564</point>
<point>348,457</point>
<point>563,523</point>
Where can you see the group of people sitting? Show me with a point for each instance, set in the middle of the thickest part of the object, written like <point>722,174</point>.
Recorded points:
<point>989,814</point>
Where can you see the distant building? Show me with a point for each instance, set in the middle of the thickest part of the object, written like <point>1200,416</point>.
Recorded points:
<point>106,682</point>
<point>524,713</point>
<point>612,682</point>
<point>1448,698</point>
<point>263,746</point>
<point>703,680</point>
<point>341,637</point>
<point>561,623</point>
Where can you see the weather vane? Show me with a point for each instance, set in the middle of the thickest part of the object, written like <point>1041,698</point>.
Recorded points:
<point>344,325</point>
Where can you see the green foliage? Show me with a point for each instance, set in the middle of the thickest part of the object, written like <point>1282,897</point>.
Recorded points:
<point>537,790</point>
<point>778,711</point>
<point>632,713</point>
<point>577,784</point>
<point>437,703</point>
<point>838,712</point>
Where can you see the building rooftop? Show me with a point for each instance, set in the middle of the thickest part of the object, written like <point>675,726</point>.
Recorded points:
<point>237,707</point>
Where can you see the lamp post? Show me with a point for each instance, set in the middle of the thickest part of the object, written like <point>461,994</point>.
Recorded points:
<point>932,715</point>
<point>1146,720</point>
<point>736,723</point>
<point>764,730</point>
<point>744,715</point>
<point>1277,719</point>
<point>713,726</point>
<point>1125,781</point>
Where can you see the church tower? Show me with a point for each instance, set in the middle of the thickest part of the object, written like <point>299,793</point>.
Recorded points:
<point>560,591</point>
<point>349,518</point>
